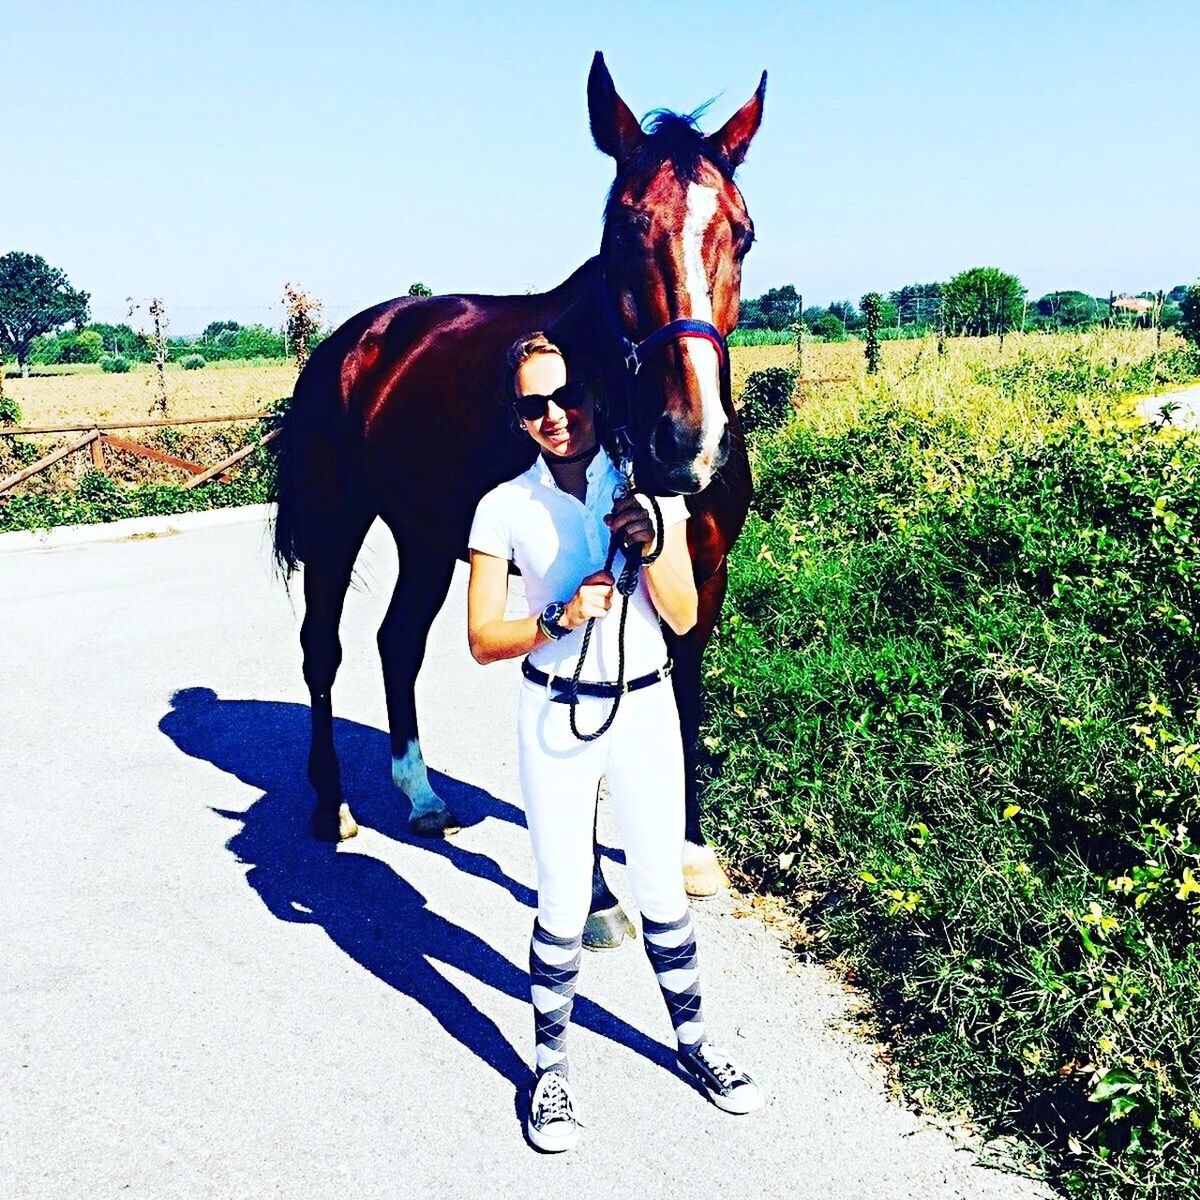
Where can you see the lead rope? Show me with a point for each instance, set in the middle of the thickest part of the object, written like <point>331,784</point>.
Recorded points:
<point>626,586</point>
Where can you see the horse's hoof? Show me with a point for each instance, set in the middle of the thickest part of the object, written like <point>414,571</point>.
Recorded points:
<point>607,929</point>
<point>703,876</point>
<point>329,826</point>
<point>439,822</point>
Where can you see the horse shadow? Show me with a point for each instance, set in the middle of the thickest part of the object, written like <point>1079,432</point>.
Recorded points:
<point>369,912</point>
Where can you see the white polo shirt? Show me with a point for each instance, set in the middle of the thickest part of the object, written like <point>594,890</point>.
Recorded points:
<point>556,541</point>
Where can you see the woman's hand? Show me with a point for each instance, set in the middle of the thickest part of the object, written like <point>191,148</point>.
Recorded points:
<point>593,598</point>
<point>630,521</point>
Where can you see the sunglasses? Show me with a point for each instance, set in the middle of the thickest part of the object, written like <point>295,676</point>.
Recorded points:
<point>532,407</point>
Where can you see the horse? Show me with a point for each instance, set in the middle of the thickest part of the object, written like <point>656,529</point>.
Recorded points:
<point>397,415</point>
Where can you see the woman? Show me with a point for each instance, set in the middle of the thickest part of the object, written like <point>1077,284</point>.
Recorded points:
<point>554,522</point>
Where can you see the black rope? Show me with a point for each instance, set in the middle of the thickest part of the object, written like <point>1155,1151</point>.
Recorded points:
<point>626,586</point>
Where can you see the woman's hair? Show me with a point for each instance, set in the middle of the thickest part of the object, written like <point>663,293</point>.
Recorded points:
<point>525,347</point>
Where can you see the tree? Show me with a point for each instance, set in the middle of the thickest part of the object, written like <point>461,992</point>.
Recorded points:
<point>830,327</point>
<point>1189,324</point>
<point>846,313</point>
<point>214,329</point>
<point>419,289</point>
<point>35,298</point>
<point>983,301</point>
<point>918,304</point>
<point>1067,310</point>
<point>780,306</point>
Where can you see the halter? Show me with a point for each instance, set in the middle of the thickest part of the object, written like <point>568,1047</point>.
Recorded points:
<point>635,354</point>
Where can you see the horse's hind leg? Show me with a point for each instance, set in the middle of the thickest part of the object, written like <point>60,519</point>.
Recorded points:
<point>327,572</point>
<point>425,573</point>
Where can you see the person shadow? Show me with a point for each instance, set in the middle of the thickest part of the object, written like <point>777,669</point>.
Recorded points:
<point>367,910</point>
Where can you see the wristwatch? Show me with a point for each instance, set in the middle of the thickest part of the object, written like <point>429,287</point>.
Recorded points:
<point>548,620</point>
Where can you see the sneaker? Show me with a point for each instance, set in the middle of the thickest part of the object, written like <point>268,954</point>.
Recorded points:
<point>723,1081</point>
<point>552,1123</point>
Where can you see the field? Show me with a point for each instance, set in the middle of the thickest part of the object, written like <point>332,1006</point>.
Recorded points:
<point>84,394</point>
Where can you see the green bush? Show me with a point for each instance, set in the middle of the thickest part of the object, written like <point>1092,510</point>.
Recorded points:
<point>958,699</point>
<point>116,364</point>
<point>193,362</point>
<point>10,411</point>
<point>99,498</point>
<point>24,451</point>
<point>766,400</point>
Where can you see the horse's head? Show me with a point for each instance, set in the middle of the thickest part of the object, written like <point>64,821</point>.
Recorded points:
<point>675,232</point>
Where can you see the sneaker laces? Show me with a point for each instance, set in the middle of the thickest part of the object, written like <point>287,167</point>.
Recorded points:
<point>555,1102</point>
<point>719,1064</point>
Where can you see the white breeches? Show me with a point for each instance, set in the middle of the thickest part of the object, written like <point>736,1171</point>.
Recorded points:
<point>641,756</point>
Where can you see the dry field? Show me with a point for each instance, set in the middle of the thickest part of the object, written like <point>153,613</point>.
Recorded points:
<point>87,395</point>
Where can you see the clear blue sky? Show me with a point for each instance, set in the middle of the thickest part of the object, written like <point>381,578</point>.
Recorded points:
<point>207,152</point>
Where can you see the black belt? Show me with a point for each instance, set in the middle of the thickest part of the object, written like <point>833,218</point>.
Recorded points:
<point>563,691</point>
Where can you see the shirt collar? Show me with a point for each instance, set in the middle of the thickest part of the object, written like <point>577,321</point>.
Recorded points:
<point>596,469</point>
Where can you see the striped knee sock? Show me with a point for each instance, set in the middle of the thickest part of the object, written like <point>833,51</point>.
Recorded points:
<point>553,969</point>
<point>671,947</point>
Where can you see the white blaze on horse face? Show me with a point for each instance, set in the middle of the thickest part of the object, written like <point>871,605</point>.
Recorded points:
<point>706,364</point>
<point>410,775</point>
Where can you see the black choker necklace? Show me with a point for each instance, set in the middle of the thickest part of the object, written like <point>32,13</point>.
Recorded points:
<point>554,460</point>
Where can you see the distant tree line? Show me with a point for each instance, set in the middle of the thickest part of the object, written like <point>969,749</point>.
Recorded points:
<point>978,302</point>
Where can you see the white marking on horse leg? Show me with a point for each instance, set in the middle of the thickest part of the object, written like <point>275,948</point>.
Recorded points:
<point>410,775</point>
<point>706,364</point>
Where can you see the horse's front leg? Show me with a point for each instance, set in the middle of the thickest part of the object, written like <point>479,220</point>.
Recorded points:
<point>424,580</point>
<point>702,873</point>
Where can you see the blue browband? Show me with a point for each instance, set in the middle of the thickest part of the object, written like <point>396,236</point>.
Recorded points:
<point>636,353</point>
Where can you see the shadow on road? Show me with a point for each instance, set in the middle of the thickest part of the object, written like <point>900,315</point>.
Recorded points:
<point>368,911</point>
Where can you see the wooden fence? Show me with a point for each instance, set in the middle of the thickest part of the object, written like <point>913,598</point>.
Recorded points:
<point>96,438</point>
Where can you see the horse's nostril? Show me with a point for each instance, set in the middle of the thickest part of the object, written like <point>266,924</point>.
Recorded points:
<point>665,442</point>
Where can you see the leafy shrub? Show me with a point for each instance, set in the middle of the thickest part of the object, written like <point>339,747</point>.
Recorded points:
<point>24,451</point>
<point>193,362</point>
<point>116,364</point>
<point>169,439</point>
<point>10,411</point>
<point>766,400</point>
<point>958,698</point>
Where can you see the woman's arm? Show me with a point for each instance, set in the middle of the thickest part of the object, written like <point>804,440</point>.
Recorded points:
<point>492,636</point>
<point>672,585</point>
<point>669,578</point>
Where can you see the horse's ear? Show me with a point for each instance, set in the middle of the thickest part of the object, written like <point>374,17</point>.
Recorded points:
<point>614,127</point>
<point>734,137</point>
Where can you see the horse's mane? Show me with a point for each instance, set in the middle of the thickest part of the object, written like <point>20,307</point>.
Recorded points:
<point>676,138</point>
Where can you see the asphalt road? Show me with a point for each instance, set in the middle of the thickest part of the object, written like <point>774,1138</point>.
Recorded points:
<point>197,1000</point>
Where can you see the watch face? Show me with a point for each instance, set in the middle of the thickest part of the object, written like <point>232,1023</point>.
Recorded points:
<point>553,611</point>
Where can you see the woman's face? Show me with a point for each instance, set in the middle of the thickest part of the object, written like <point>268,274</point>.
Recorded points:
<point>562,431</point>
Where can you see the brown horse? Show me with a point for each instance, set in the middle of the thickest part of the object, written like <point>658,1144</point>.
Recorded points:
<point>397,416</point>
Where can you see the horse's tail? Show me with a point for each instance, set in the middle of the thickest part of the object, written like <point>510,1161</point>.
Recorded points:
<point>282,493</point>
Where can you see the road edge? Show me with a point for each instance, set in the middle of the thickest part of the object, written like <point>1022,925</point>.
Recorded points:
<point>61,536</point>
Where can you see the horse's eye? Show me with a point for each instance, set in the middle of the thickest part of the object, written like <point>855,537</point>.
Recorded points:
<point>743,239</point>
